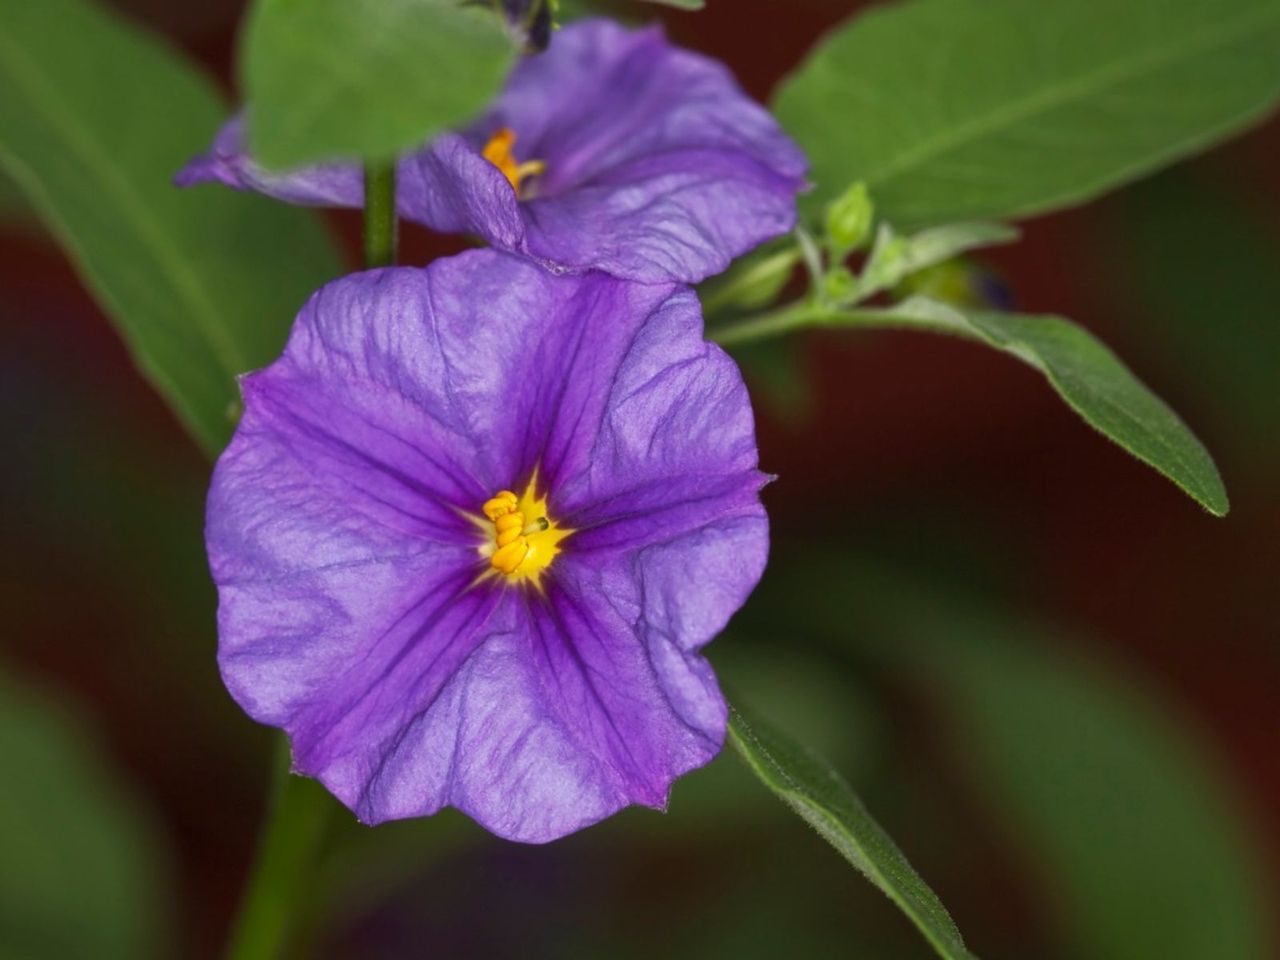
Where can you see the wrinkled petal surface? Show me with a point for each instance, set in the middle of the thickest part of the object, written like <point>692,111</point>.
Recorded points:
<point>658,167</point>
<point>340,536</point>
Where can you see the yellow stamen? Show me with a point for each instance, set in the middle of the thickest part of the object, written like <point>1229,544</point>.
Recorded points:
<point>507,559</point>
<point>504,501</point>
<point>518,547</point>
<point>499,152</point>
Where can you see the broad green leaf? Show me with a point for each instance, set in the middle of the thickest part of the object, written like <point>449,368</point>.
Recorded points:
<point>366,78</point>
<point>1136,841</point>
<point>992,109</point>
<point>202,284</point>
<point>81,873</point>
<point>828,804</point>
<point>894,258</point>
<point>1088,376</point>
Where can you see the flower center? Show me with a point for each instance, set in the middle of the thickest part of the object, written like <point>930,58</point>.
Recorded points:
<point>498,152</point>
<point>524,539</point>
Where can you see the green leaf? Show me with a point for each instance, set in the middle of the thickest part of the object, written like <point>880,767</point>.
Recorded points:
<point>82,872</point>
<point>828,804</point>
<point>681,4</point>
<point>960,109</point>
<point>202,284</point>
<point>1088,376</point>
<point>894,258</point>
<point>366,78</point>
<point>1136,840</point>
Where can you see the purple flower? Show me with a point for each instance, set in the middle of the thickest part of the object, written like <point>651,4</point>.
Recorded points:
<point>471,533</point>
<point>612,151</point>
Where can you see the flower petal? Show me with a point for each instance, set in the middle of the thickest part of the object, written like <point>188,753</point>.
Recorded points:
<point>588,699</point>
<point>227,162</point>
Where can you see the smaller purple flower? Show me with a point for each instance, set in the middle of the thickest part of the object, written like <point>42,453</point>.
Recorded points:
<point>613,150</point>
<point>471,533</point>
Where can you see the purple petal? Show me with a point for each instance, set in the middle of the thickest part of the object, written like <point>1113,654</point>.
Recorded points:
<point>350,613</point>
<point>659,167</point>
<point>228,163</point>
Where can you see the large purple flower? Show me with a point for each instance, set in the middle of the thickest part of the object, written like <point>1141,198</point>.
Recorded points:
<point>471,533</point>
<point>613,150</point>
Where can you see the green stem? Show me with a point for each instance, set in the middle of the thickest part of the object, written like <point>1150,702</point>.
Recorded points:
<point>771,323</point>
<point>379,214</point>
<point>283,866</point>
<point>804,313</point>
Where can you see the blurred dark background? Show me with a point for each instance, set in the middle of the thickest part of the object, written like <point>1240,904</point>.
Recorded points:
<point>1051,675</point>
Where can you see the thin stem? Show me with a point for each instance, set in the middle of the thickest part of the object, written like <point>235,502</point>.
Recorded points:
<point>772,323</point>
<point>812,258</point>
<point>379,214</point>
<point>283,866</point>
<point>800,314</point>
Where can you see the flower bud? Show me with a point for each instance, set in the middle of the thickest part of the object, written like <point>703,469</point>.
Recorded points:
<point>849,220</point>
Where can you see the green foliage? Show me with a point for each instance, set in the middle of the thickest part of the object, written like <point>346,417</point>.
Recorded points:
<point>285,869</point>
<point>1138,845</point>
<point>754,281</point>
<point>1209,294</point>
<point>828,804</point>
<point>80,874</point>
<point>959,109</point>
<point>893,258</point>
<point>365,78</point>
<point>1088,376</point>
<point>1110,798</point>
<point>202,284</point>
<point>681,4</point>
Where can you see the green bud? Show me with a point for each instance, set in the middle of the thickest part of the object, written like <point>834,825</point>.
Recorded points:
<point>888,262</point>
<point>751,283</point>
<point>849,220</point>
<point>839,284</point>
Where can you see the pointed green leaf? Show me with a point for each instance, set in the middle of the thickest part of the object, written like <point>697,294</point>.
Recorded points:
<point>822,798</point>
<point>202,284</point>
<point>1088,376</point>
<point>366,78</point>
<point>991,109</point>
